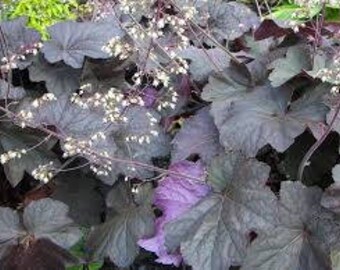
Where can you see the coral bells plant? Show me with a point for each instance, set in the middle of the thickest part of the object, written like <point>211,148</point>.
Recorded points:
<point>171,134</point>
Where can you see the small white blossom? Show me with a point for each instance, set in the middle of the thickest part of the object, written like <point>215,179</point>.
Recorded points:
<point>44,173</point>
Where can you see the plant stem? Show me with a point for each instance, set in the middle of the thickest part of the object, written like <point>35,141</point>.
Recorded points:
<point>317,144</point>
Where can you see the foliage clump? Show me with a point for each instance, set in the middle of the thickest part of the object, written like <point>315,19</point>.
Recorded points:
<point>40,14</point>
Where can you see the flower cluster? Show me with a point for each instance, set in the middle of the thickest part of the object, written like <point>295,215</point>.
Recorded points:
<point>99,9</point>
<point>113,103</point>
<point>24,117</point>
<point>75,146</point>
<point>332,74</point>
<point>10,61</point>
<point>99,162</point>
<point>117,48</point>
<point>43,100</point>
<point>156,57</point>
<point>44,172</point>
<point>12,154</point>
<point>134,6</point>
<point>169,101</point>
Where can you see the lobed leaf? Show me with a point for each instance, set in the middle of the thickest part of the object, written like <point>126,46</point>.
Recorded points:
<point>18,39</point>
<point>49,219</point>
<point>42,254</point>
<point>10,228</point>
<point>72,41</point>
<point>138,125</point>
<point>40,235</point>
<point>241,203</point>
<point>302,235</point>
<point>203,62</point>
<point>117,237</point>
<point>8,91</point>
<point>199,136</point>
<point>226,20</point>
<point>265,117</point>
<point>296,60</point>
<point>59,78</point>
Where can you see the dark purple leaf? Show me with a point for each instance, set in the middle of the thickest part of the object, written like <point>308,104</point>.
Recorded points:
<point>39,255</point>
<point>10,92</point>
<point>49,219</point>
<point>117,238</point>
<point>72,41</point>
<point>263,117</point>
<point>203,62</point>
<point>199,135</point>
<point>10,228</point>
<point>303,234</point>
<point>43,223</point>
<point>59,78</point>
<point>140,126</point>
<point>297,59</point>
<point>226,20</point>
<point>79,192</point>
<point>268,28</point>
<point>213,234</point>
<point>20,40</point>
<point>12,138</point>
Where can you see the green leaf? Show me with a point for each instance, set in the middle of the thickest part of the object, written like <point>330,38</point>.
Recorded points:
<point>91,266</point>
<point>41,14</point>
<point>291,12</point>
<point>332,15</point>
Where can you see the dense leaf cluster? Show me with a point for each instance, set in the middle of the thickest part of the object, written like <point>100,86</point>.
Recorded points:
<point>194,131</point>
<point>40,14</point>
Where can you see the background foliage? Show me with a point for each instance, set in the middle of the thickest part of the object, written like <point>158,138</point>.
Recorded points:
<point>40,14</point>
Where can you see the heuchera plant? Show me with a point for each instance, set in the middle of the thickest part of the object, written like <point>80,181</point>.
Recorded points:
<point>173,134</point>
